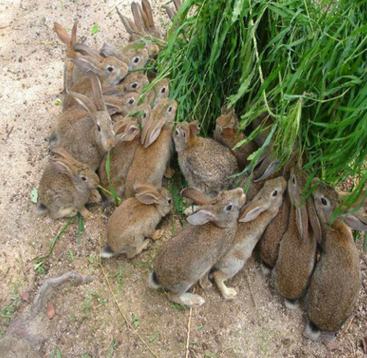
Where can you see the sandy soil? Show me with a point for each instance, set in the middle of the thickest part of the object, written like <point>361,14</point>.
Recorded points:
<point>89,322</point>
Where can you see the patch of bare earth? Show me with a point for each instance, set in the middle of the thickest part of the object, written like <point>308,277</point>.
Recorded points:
<point>90,320</point>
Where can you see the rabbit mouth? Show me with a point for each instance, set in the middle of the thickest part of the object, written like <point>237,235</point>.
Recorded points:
<point>120,81</point>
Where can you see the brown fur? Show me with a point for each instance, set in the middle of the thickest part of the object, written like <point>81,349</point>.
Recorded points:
<point>336,281</point>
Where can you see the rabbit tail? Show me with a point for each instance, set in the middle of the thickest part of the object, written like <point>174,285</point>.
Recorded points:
<point>107,252</point>
<point>153,281</point>
<point>312,331</point>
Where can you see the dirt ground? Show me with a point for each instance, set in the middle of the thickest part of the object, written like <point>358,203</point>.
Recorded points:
<point>88,321</point>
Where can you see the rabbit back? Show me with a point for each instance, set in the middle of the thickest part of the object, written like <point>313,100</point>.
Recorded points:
<point>207,165</point>
<point>186,258</point>
<point>336,281</point>
<point>149,164</point>
<point>130,224</point>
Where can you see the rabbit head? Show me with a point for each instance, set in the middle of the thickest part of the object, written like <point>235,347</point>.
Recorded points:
<point>81,175</point>
<point>157,92</point>
<point>163,114</point>
<point>149,194</point>
<point>97,111</point>
<point>228,120</point>
<point>184,135</point>
<point>222,210</point>
<point>270,196</point>
<point>110,70</point>
<point>327,200</point>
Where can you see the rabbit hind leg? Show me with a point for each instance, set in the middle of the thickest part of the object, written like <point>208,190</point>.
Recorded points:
<point>137,250</point>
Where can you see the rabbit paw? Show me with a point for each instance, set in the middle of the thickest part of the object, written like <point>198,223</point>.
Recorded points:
<point>86,213</point>
<point>157,235</point>
<point>190,300</point>
<point>205,283</point>
<point>94,197</point>
<point>229,293</point>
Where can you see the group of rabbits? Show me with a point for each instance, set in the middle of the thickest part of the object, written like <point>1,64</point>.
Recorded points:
<point>107,117</point>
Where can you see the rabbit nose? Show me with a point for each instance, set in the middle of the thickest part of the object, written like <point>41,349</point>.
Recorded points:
<point>109,144</point>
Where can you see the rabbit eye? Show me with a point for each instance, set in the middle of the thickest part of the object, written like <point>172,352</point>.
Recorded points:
<point>169,201</point>
<point>275,192</point>
<point>177,132</point>
<point>144,115</point>
<point>98,127</point>
<point>324,201</point>
<point>229,207</point>
<point>294,180</point>
<point>84,178</point>
<point>169,109</point>
<point>134,85</point>
<point>163,90</point>
<point>131,101</point>
<point>184,134</point>
<point>110,68</point>
<point>136,59</point>
<point>198,126</point>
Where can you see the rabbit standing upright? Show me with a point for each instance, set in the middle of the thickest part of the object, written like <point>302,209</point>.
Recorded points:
<point>189,256</point>
<point>227,132</point>
<point>205,163</point>
<point>66,186</point>
<point>135,220</point>
<point>253,219</point>
<point>297,251</point>
<point>153,155</point>
<point>88,139</point>
<point>336,281</point>
<point>128,138</point>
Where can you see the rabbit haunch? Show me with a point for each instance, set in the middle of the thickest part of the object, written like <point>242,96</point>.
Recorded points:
<point>189,256</point>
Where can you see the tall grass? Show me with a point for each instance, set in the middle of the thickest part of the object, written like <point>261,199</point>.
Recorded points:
<point>303,62</point>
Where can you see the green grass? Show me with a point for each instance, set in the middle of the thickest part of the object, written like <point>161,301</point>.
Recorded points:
<point>303,62</point>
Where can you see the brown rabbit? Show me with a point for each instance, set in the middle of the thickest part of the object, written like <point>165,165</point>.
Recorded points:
<point>205,163</point>
<point>128,138</point>
<point>133,82</point>
<point>87,140</point>
<point>71,72</point>
<point>109,71</point>
<point>297,251</point>
<point>153,155</point>
<point>227,133</point>
<point>253,219</point>
<point>157,92</point>
<point>336,281</point>
<point>65,186</point>
<point>135,220</point>
<point>189,256</point>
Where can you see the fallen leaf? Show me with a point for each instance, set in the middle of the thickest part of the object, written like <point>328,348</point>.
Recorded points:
<point>50,310</point>
<point>24,296</point>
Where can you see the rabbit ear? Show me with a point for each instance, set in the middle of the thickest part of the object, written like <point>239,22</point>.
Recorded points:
<point>60,152</point>
<point>129,133</point>
<point>153,132</point>
<point>84,102</point>
<point>86,63</point>
<point>108,50</point>
<point>113,104</point>
<point>73,33</point>
<point>197,196</point>
<point>135,9</point>
<point>97,91</point>
<point>314,220</point>
<point>146,193</point>
<point>200,217</point>
<point>194,128</point>
<point>356,222</point>
<point>62,167</point>
<point>86,50</point>
<point>62,34</point>
<point>252,210</point>
<point>271,166</point>
<point>147,198</point>
<point>128,24</point>
<point>171,13</point>
<point>302,221</point>
<point>147,10</point>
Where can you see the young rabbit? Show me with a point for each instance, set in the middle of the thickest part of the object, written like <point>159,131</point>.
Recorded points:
<point>297,251</point>
<point>87,140</point>
<point>135,220</point>
<point>127,141</point>
<point>71,72</point>
<point>65,186</point>
<point>109,70</point>
<point>253,219</point>
<point>189,256</point>
<point>227,133</point>
<point>157,92</point>
<point>336,281</point>
<point>205,163</point>
<point>153,155</point>
<point>133,82</point>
